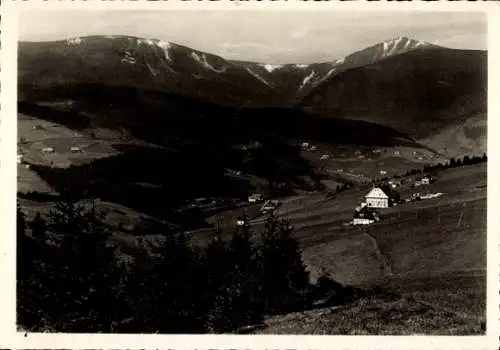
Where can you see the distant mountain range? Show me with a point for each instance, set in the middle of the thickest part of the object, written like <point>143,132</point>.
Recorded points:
<point>195,115</point>
<point>412,86</point>
<point>155,64</point>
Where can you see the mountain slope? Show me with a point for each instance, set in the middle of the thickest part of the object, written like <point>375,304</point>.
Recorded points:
<point>295,81</point>
<point>418,92</point>
<point>140,63</point>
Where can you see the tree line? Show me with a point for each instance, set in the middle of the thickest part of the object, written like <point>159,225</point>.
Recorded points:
<point>70,279</point>
<point>451,163</point>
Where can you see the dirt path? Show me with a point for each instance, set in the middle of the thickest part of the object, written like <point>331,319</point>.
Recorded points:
<point>385,261</point>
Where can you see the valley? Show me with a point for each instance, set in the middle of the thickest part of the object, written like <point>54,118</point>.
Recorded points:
<point>170,139</point>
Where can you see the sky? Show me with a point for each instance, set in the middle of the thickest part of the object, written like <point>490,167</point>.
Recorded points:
<point>264,36</point>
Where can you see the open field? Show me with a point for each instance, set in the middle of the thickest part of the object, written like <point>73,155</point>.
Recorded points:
<point>431,252</point>
<point>376,316</point>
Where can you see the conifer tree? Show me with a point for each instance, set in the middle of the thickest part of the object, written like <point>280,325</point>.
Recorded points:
<point>179,290</point>
<point>28,281</point>
<point>38,228</point>
<point>238,299</point>
<point>84,273</point>
<point>285,281</point>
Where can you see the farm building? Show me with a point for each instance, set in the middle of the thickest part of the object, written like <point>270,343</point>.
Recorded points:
<point>256,197</point>
<point>426,180</point>
<point>364,216</point>
<point>377,198</point>
<point>383,196</point>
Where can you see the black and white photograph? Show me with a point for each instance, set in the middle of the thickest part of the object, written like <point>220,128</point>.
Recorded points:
<point>246,172</point>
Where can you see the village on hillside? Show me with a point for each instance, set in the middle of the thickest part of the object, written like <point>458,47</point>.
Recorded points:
<point>382,191</point>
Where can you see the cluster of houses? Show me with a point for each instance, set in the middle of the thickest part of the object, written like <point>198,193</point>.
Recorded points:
<point>306,146</point>
<point>378,198</point>
<point>385,196</point>
<point>73,149</point>
<point>20,160</point>
<point>267,207</point>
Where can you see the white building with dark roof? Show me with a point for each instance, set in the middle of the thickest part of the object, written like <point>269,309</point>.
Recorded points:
<point>377,198</point>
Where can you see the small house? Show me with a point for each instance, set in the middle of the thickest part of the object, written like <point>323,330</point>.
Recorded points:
<point>241,221</point>
<point>324,156</point>
<point>377,198</point>
<point>426,180</point>
<point>256,197</point>
<point>305,145</point>
<point>313,148</point>
<point>383,172</point>
<point>364,216</point>
<point>47,150</point>
<point>75,149</point>
<point>397,153</point>
<point>19,158</point>
<point>383,196</point>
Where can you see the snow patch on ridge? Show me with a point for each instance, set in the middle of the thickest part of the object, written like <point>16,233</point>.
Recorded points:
<point>145,41</point>
<point>258,77</point>
<point>201,58</point>
<point>165,46</point>
<point>153,71</point>
<point>271,67</point>
<point>307,79</point>
<point>74,41</point>
<point>399,45</point>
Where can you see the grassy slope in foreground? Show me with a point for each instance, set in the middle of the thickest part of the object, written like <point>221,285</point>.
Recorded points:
<point>437,266</point>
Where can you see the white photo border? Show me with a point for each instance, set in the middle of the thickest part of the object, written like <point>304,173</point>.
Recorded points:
<point>12,339</point>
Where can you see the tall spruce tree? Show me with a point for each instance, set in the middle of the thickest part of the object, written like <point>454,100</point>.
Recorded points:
<point>286,280</point>
<point>179,280</point>
<point>31,277</point>
<point>238,298</point>
<point>38,227</point>
<point>84,273</point>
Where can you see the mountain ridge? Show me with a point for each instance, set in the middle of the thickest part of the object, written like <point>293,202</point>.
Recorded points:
<point>176,66</point>
<point>423,79</point>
